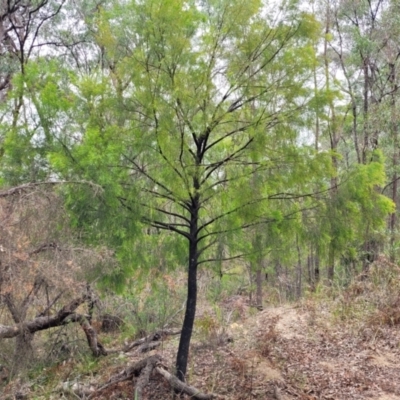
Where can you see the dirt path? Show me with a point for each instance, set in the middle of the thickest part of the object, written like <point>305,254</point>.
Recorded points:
<point>309,358</point>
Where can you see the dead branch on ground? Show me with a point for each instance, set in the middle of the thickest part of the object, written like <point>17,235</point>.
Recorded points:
<point>143,370</point>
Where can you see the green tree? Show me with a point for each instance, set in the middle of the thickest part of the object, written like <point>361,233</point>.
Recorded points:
<point>193,100</point>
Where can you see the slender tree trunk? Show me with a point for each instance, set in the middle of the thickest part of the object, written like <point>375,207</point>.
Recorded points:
<point>259,290</point>
<point>392,221</point>
<point>299,270</point>
<point>331,264</point>
<point>334,139</point>
<point>365,112</point>
<point>395,133</point>
<point>190,313</point>
<point>317,112</point>
<point>316,270</point>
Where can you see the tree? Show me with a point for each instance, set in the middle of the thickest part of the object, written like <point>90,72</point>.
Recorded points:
<point>192,101</point>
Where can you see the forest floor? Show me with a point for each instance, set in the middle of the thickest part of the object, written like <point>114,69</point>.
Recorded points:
<point>342,346</point>
<point>295,352</point>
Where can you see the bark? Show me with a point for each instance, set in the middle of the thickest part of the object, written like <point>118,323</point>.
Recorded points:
<point>146,342</point>
<point>310,278</point>
<point>128,373</point>
<point>91,335</point>
<point>331,264</point>
<point>395,160</point>
<point>365,111</point>
<point>154,337</point>
<point>188,322</point>
<point>259,291</point>
<point>181,387</point>
<point>371,250</point>
<point>24,331</point>
<point>41,323</point>
<point>299,270</point>
<point>145,377</point>
<point>23,352</point>
<point>144,348</point>
<point>143,370</point>
<point>316,270</point>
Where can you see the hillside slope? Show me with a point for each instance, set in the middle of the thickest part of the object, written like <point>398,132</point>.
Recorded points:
<point>341,347</point>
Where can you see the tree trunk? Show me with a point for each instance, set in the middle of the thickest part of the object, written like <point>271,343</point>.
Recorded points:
<point>316,270</point>
<point>188,322</point>
<point>23,352</point>
<point>394,126</point>
<point>365,112</point>
<point>331,265</point>
<point>299,270</point>
<point>392,221</point>
<point>259,290</point>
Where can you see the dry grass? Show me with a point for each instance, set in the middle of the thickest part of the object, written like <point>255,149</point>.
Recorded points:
<point>343,346</point>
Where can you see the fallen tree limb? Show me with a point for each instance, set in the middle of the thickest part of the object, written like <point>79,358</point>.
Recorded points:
<point>153,337</point>
<point>146,347</point>
<point>65,315</point>
<point>182,387</point>
<point>41,323</point>
<point>91,335</point>
<point>143,369</point>
<point>145,376</point>
<point>129,373</point>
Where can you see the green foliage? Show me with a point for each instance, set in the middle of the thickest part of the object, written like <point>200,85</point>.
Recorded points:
<point>209,101</point>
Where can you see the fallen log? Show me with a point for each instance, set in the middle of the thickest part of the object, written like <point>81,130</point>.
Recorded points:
<point>182,387</point>
<point>129,373</point>
<point>144,377</point>
<point>146,347</point>
<point>41,323</point>
<point>91,335</point>
<point>64,316</point>
<point>153,337</point>
<point>143,369</point>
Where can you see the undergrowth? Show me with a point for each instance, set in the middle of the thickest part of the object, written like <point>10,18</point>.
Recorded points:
<point>63,357</point>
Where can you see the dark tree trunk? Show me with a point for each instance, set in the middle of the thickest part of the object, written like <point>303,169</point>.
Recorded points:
<point>316,270</point>
<point>365,112</point>
<point>259,288</point>
<point>331,265</point>
<point>188,322</point>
